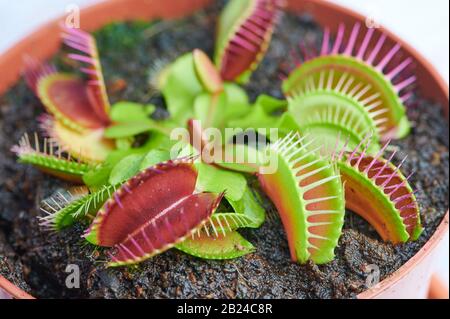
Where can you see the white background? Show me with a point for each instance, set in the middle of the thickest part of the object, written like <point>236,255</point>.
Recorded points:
<point>422,23</point>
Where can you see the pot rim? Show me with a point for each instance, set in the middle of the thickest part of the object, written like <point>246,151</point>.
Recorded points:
<point>13,290</point>
<point>106,11</point>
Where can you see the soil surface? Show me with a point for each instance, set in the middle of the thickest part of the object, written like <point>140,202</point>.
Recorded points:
<point>131,53</point>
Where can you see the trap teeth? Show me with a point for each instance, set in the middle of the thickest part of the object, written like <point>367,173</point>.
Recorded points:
<point>309,197</point>
<point>364,60</point>
<point>378,191</point>
<point>325,112</point>
<point>158,209</point>
<point>48,157</point>
<point>244,33</point>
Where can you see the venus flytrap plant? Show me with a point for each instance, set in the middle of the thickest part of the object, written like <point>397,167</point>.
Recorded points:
<point>142,201</point>
<point>213,231</point>
<point>244,32</point>
<point>131,164</point>
<point>243,36</point>
<point>195,91</point>
<point>49,159</point>
<point>79,109</point>
<point>78,114</point>
<point>131,119</point>
<point>308,194</point>
<point>377,190</point>
<point>307,190</point>
<point>247,212</point>
<point>62,212</point>
<point>384,84</point>
<point>142,220</point>
<point>324,123</point>
<point>225,244</point>
<point>209,107</point>
<point>79,204</point>
<point>326,109</point>
<point>207,73</point>
<point>196,88</point>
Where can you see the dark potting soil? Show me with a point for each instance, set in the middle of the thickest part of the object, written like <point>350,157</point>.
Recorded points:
<point>130,54</point>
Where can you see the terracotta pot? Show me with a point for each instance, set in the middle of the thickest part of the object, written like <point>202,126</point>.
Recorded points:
<point>9,290</point>
<point>412,280</point>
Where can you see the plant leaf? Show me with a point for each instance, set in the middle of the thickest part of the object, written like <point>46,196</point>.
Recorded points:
<point>99,175</point>
<point>125,111</point>
<point>249,206</point>
<point>380,193</point>
<point>231,246</point>
<point>217,110</point>
<point>64,210</point>
<point>129,129</point>
<point>216,180</point>
<point>126,168</point>
<point>238,104</point>
<point>181,89</point>
<point>46,160</point>
<point>88,146</point>
<point>121,165</point>
<point>244,32</point>
<point>66,98</point>
<point>263,114</point>
<point>124,143</point>
<point>158,140</point>
<point>325,115</point>
<point>88,55</point>
<point>191,100</point>
<point>207,73</point>
<point>220,241</point>
<point>208,109</point>
<point>309,197</point>
<point>132,164</point>
<point>154,157</point>
<point>152,212</point>
<point>386,81</point>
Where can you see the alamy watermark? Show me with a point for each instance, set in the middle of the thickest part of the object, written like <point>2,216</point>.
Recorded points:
<point>227,146</point>
<point>72,20</point>
<point>372,21</point>
<point>373,275</point>
<point>73,277</point>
